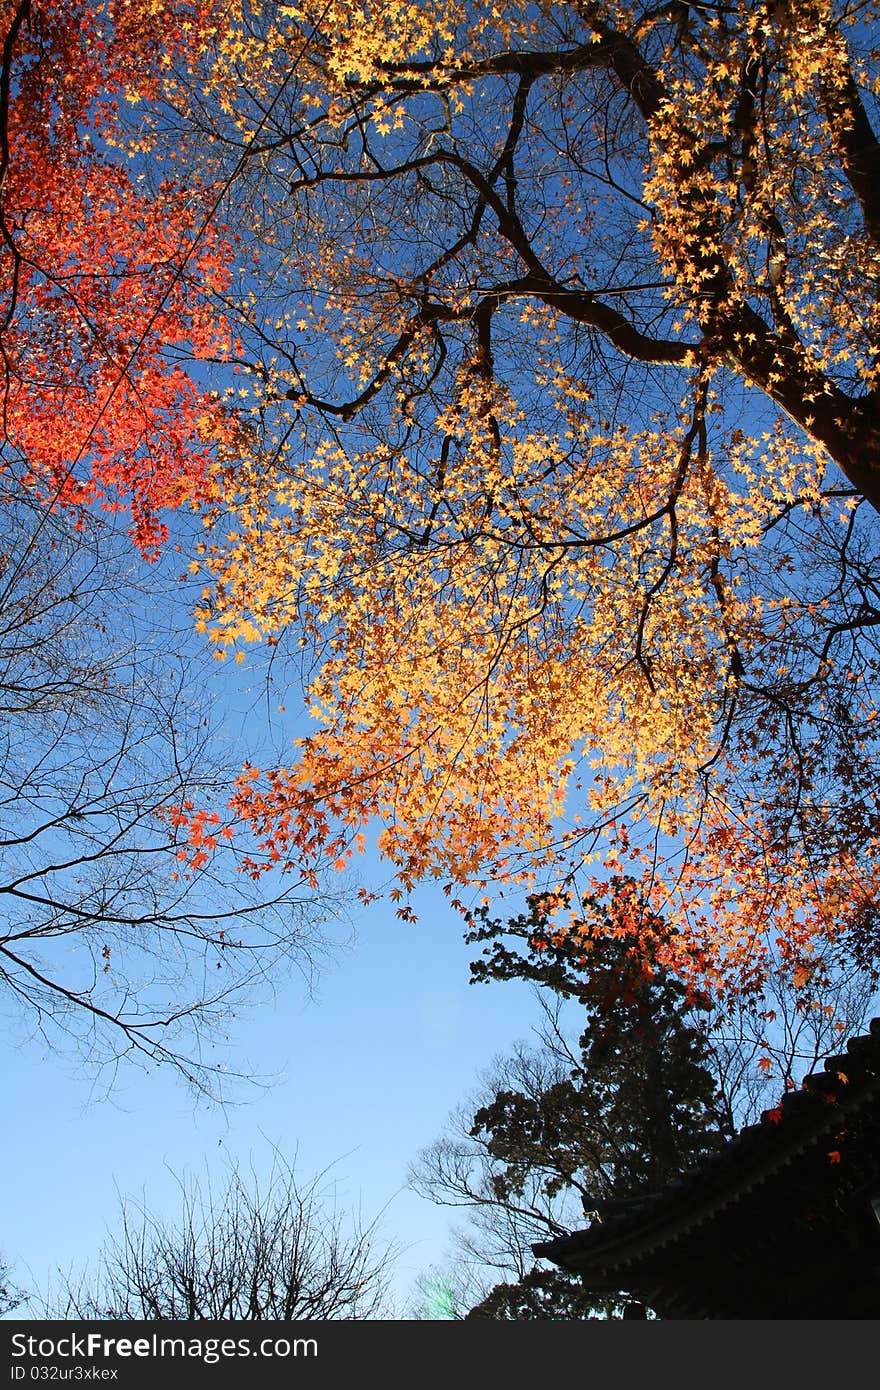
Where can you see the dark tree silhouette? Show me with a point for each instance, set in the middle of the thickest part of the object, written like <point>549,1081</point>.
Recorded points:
<point>634,1079</point>
<point>279,1251</point>
<point>110,944</point>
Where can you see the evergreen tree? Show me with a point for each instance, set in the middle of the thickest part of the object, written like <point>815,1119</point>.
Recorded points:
<point>618,1115</point>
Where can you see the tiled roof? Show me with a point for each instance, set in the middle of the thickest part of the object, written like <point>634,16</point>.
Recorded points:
<point>816,1150</point>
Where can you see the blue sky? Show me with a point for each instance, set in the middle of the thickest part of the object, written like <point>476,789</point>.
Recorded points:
<point>358,1068</point>
<point>356,1078</point>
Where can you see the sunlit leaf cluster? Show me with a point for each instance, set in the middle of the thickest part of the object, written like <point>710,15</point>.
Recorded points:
<point>549,447</point>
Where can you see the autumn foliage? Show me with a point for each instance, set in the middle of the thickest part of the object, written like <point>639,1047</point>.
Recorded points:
<point>558,454</point>
<point>102,255</point>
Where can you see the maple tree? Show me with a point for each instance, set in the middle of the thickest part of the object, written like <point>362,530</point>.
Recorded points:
<point>554,444</point>
<point>108,264</point>
<point>107,261</point>
<point>559,348</point>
